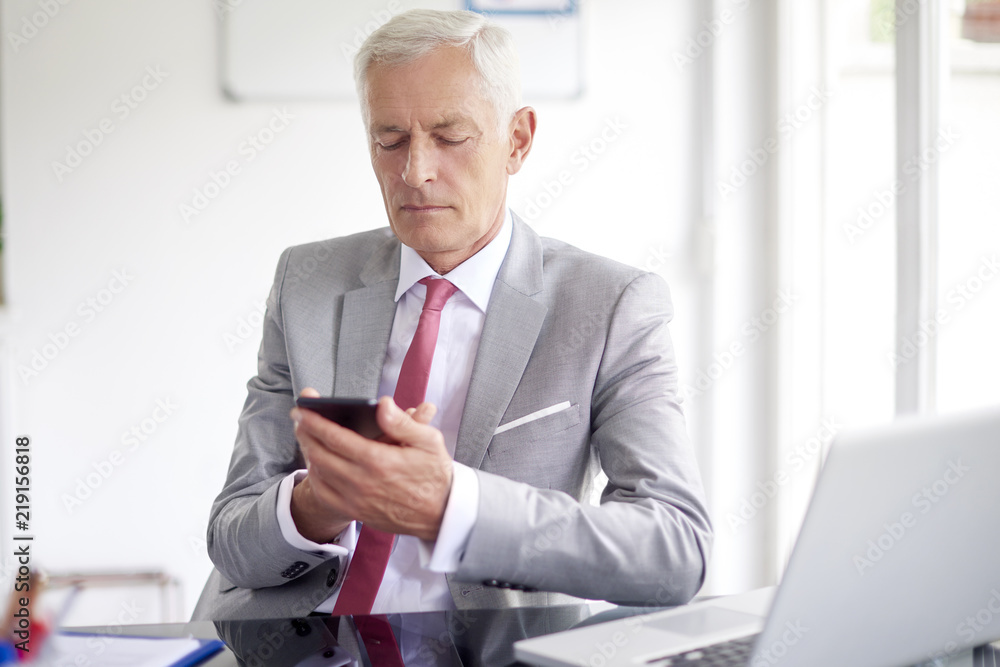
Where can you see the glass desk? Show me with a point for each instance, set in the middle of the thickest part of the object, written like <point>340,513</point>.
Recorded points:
<point>471,637</point>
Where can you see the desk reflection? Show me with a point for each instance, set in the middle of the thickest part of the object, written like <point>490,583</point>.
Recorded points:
<point>454,638</point>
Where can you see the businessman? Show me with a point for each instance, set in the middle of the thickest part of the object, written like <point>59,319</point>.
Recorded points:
<point>511,370</point>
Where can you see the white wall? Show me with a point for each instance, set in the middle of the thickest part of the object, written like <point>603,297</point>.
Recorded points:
<point>162,337</point>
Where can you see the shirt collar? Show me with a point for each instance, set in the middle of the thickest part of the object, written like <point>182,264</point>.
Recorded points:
<point>474,277</point>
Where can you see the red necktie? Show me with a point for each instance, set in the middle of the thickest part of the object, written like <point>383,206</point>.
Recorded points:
<point>416,369</point>
<point>367,567</point>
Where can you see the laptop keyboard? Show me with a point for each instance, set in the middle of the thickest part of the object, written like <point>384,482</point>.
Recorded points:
<point>734,653</point>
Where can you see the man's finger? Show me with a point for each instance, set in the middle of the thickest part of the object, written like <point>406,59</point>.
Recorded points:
<point>409,429</point>
<point>343,442</point>
<point>331,497</point>
<point>308,392</point>
<point>325,464</point>
<point>424,412</point>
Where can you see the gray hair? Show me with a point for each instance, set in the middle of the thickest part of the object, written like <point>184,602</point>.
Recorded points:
<point>411,35</point>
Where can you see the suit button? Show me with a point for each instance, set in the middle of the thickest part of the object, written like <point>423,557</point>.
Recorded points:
<point>301,627</point>
<point>331,576</point>
<point>294,570</point>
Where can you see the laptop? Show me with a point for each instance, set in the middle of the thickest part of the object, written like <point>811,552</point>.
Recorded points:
<point>897,562</point>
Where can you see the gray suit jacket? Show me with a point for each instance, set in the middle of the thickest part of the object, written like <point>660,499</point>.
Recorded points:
<point>562,325</point>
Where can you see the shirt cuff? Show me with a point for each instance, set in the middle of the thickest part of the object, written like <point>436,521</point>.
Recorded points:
<point>341,545</point>
<point>444,554</point>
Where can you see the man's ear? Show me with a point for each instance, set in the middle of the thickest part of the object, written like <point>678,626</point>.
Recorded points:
<point>522,133</point>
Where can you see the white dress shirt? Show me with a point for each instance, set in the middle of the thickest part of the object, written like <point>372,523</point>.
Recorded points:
<point>415,576</point>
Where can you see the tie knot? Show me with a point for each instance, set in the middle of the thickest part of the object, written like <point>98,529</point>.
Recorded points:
<point>439,291</point>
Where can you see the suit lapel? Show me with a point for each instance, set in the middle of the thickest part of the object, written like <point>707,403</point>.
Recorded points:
<point>365,325</point>
<point>513,321</point>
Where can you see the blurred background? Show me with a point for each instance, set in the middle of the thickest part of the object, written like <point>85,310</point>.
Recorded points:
<point>817,180</point>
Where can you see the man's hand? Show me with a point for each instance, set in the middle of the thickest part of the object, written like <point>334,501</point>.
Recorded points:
<point>399,486</point>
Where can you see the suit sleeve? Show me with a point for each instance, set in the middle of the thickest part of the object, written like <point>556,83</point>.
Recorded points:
<point>648,541</point>
<point>244,538</point>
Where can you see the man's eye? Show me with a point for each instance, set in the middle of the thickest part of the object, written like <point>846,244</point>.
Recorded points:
<point>391,147</point>
<point>452,142</point>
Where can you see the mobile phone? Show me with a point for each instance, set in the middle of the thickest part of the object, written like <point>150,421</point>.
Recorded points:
<point>357,414</point>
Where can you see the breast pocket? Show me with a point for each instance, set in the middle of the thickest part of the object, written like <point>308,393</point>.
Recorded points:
<point>534,427</point>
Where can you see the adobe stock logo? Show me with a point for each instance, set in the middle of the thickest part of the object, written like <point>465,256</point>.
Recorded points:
<point>586,153</point>
<point>59,340</point>
<point>795,462</point>
<point>247,327</point>
<point>790,123</point>
<point>968,628</point>
<point>766,656</point>
<point>106,467</point>
<point>711,30</point>
<point>122,107</point>
<point>751,330</point>
<point>361,33</point>
<point>960,296</point>
<point>883,200</point>
<point>248,150</point>
<point>924,501</point>
<point>37,21</point>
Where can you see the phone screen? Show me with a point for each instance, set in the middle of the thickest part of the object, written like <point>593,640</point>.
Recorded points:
<point>357,414</point>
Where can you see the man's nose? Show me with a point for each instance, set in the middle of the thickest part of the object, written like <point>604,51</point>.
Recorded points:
<point>420,166</point>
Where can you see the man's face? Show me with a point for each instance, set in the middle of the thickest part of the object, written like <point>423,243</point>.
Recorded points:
<point>435,151</point>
